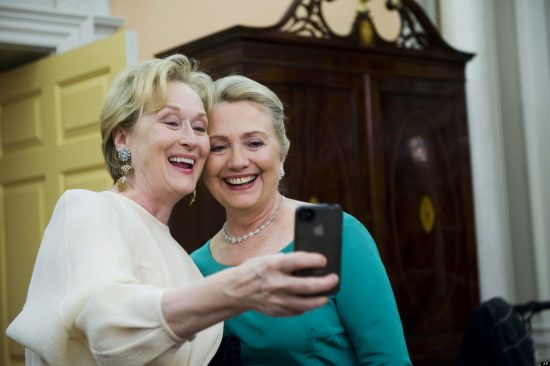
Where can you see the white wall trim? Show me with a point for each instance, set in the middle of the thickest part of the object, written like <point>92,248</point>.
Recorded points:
<point>541,336</point>
<point>486,140</point>
<point>96,7</point>
<point>534,67</point>
<point>132,49</point>
<point>53,29</point>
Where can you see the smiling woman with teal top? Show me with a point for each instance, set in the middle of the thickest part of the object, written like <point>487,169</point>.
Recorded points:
<point>360,324</point>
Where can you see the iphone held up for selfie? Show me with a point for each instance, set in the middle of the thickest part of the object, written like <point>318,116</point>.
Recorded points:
<point>318,228</point>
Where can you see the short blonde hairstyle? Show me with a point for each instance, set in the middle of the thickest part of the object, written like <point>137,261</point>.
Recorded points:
<point>236,88</point>
<point>144,87</point>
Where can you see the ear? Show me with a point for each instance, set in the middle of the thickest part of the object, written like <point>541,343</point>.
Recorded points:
<point>120,137</point>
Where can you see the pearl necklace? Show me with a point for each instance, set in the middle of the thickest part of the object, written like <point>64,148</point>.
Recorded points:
<point>237,239</point>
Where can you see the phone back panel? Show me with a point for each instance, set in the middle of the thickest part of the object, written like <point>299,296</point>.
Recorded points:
<point>318,228</point>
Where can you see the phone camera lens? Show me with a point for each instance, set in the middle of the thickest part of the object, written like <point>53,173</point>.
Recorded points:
<point>306,214</point>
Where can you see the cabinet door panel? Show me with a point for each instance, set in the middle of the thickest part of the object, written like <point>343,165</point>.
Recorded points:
<point>429,229</point>
<point>324,160</point>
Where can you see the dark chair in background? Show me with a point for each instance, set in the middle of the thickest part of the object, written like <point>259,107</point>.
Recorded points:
<point>499,333</point>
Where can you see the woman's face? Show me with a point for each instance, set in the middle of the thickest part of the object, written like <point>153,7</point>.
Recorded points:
<point>169,147</point>
<point>242,170</point>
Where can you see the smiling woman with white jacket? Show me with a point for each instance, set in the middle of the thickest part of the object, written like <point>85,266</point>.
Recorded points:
<point>110,285</point>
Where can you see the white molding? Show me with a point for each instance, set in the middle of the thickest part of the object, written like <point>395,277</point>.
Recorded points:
<point>106,25</point>
<point>132,50</point>
<point>534,65</point>
<point>496,275</point>
<point>541,337</point>
<point>58,30</point>
<point>95,7</point>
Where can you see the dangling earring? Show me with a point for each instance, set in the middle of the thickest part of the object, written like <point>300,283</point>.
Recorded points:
<point>193,198</point>
<point>281,172</point>
<point>124,155</point>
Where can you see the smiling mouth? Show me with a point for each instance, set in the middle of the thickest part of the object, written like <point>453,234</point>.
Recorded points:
<point>180,162</point>
<point>240,180</point>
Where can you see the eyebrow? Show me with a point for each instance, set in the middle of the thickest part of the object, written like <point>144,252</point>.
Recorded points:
<point>244,135</point>
<point>252,133</point>
<point>178,109</point>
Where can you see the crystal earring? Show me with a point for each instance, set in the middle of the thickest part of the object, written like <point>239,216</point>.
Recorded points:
<point>124,155</point>
<point>193,198</point>
<point>281,172</point>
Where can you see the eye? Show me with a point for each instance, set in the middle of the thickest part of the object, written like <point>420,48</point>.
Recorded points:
<point>200,126</point>
<point>216,148</point>
<point>254,144</point>
<point>171,123</point>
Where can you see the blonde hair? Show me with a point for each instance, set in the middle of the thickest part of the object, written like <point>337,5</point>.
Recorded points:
<point>236,88</point>
<point>144,87</point>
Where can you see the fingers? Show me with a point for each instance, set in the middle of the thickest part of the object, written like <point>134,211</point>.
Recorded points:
<point>291,305</point>
<point>276,272</point>
<point>271,288</point>
<point>303,286</point>
<point>295,261</point>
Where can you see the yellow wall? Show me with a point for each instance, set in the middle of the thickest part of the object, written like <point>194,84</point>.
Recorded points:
<point>163,24</point>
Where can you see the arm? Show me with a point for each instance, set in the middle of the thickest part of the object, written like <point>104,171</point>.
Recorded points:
<point>127,322</point>
<point>264,284</point>
<point>365,302</point>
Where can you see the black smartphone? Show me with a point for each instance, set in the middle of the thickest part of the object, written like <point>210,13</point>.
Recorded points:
<point>318,228</point>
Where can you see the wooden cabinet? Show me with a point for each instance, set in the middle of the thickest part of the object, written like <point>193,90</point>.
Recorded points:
<point>381,128</point>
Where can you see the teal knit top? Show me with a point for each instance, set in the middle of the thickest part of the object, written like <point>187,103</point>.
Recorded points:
<point>360,325</point>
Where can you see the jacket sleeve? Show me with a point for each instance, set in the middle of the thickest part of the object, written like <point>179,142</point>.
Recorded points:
<point>365,302</point>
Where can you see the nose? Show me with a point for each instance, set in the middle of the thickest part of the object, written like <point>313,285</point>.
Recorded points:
<point>187,137</point>
<point>238,159</point>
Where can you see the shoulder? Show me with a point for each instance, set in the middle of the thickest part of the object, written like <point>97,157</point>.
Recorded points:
<point>352,226</point>
<point>86,206</point>
<point>356,238</point>
<point>83,197</point>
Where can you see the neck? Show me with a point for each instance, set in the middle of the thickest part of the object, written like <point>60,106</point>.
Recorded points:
<point>241,222</point>
<point>160,208</point>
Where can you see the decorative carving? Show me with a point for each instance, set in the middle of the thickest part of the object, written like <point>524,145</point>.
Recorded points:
<point>412,33</point>
<point>366,33</point>
<point>306,19</point>
<point>426,213</point>
<point>417,31</point>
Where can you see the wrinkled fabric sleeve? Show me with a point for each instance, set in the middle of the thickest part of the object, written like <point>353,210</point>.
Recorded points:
<point>104,299</point>
<point>365,302</point>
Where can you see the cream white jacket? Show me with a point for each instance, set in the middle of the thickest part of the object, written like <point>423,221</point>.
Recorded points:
<point>96,288</point>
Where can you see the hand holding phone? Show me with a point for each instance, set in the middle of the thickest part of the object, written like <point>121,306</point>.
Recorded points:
<point>318,228</point>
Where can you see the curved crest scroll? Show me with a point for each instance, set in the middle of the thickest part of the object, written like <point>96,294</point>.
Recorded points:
<point>305,18</point>
<point>417,31</point>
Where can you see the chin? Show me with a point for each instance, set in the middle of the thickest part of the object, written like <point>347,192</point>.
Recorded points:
<point>240,203</point>
<point>184,190</point>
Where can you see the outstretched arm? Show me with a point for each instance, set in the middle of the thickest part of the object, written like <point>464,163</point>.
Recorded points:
<point>263,284</point>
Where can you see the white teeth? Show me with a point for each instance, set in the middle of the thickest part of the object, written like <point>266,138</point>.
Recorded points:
<point>241,180</point>
<point>177,159</point>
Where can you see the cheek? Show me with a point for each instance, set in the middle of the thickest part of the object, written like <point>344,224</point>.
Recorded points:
<point>209,169</point>
<point>204,146</point>
<point>209,179</point>
<point>212,169</point>
<point>272,162</point>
